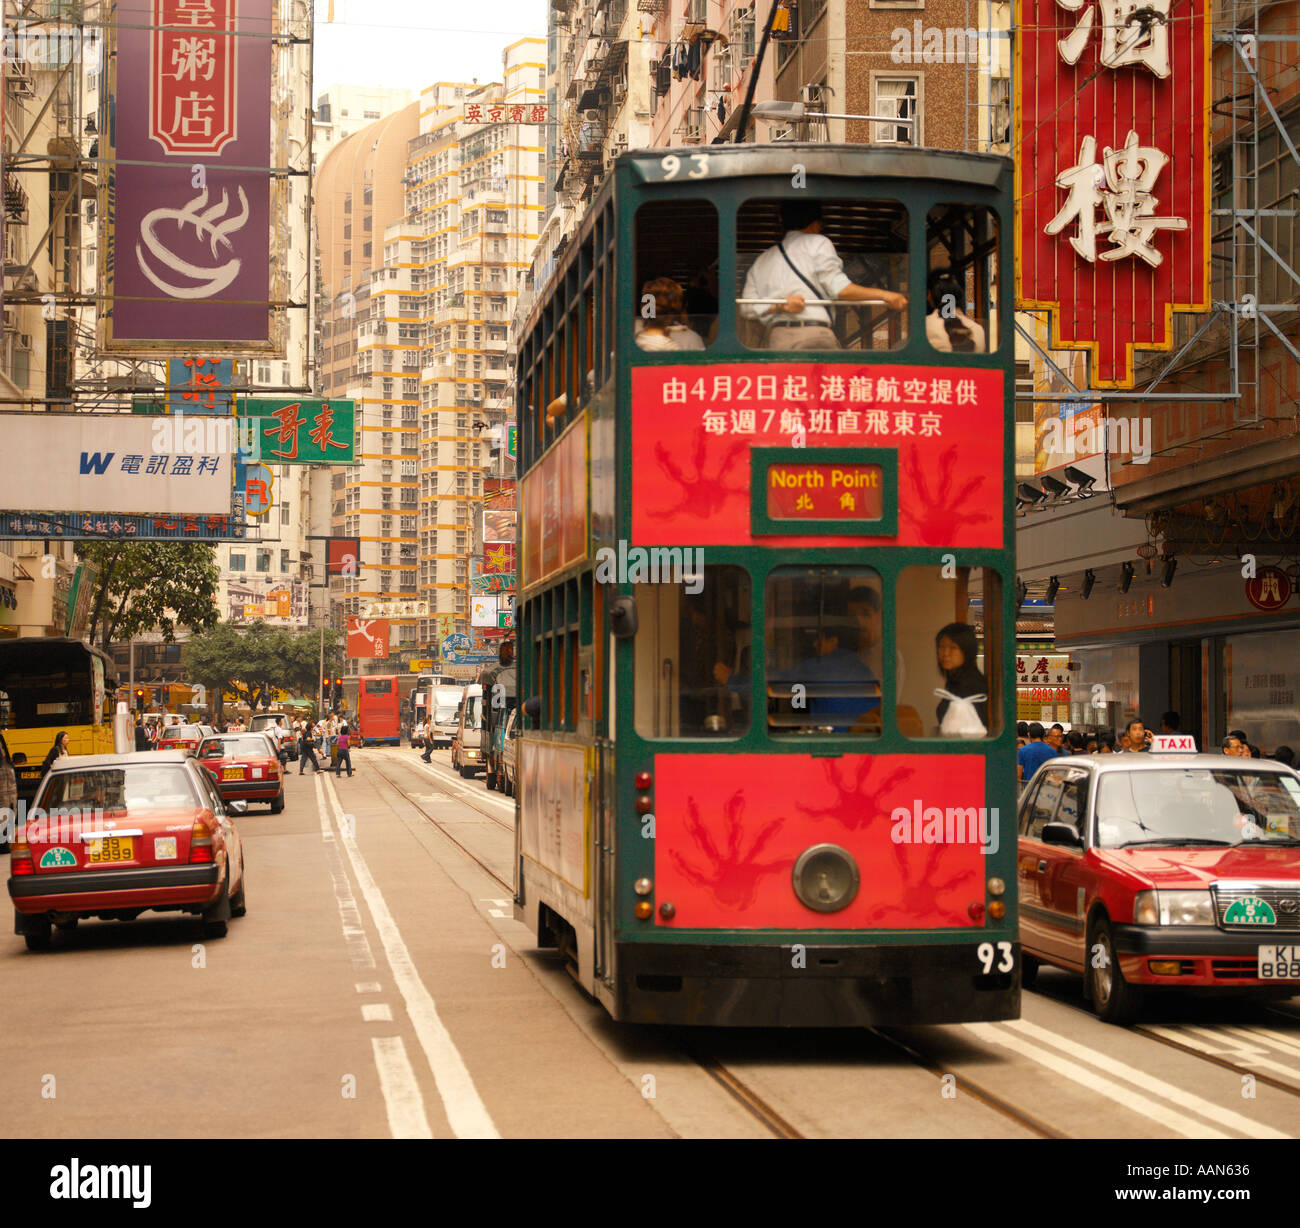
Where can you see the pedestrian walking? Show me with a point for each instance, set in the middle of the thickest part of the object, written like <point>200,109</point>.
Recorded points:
<point>141,735</point>
<point>342,745</point>
<point>307,751</point>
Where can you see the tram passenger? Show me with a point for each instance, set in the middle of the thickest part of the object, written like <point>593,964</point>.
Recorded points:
<point>804,265</point>
<point>666,329</point>
<point>853,689</point>
<point>957,650</point>
<point>947,327</point>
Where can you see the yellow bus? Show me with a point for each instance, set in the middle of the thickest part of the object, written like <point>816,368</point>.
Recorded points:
<point>48,686</point>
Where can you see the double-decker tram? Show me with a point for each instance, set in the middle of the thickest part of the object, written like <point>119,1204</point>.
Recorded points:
<point>48,686</point>
<point>766,454</point>
<point>379,709</point>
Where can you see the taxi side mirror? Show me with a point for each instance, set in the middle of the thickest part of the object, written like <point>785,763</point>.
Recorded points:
<point>1061,833</point>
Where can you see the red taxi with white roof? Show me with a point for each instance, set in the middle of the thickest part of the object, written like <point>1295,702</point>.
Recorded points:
<point>1161,870</point>
<point>112,836</point>
<point>244,767</point>
<point>184,737</point>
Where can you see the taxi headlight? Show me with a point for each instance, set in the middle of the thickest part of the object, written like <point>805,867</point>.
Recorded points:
<point>1186,908</point>
<point>1146,909</point>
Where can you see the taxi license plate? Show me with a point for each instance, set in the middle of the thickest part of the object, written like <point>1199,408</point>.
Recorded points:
<point>1279,963</point>
<point>232,773</point>
<point>110,849</point>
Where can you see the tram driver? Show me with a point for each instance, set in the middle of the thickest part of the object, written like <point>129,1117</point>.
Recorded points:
<point>804,265</point>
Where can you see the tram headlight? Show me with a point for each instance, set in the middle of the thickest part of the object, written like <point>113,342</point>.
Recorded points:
<point>643,886</point>
<point>996,886</point>
<point>825,878</point>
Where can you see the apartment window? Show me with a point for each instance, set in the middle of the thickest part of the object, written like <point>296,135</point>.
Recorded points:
<point>902,97</point>
<point>237,562</point>
<point>369,115</point>
<point>284,561</point>
<point>365,250</point>
<point>284,513</point>
<point>347,203</point>
<point>263,560</point>
<point>368,192</point>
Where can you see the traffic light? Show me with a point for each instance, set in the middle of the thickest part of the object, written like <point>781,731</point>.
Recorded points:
<point>338,691</point>
<point>325,686</point>
<point>139,696</point>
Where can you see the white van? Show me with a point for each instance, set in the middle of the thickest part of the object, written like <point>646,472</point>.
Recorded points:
<point>467,745</point>
<point>444,708</point>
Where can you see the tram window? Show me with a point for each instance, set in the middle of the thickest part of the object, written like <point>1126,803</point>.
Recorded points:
<point>961,279</point>
<point>850,268</point>
<point>693,655</point>
<point>823,651</point>
<point>676,304</point>
<point>946,644</point>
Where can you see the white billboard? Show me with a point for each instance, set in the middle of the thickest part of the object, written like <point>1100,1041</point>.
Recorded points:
<point>483,610</point>
<point>132,464</point>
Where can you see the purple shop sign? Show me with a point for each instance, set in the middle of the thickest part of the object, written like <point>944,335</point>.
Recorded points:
<point>187,191</point>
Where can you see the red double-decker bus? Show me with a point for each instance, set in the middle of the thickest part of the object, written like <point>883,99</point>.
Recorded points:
<point>379,709</point>
<point>767,479</point>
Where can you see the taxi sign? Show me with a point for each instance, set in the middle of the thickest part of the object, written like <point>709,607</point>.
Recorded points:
<point>1179,742</point>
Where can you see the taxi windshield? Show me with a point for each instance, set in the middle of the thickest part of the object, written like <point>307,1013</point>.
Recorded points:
<point>237,746</point>
<point>1197,806</point>
<point>143,786</point>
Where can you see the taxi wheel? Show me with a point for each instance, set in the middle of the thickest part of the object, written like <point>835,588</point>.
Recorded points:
<point>38,940</point>
<point>278,804</point>
<point>237,906</point>
<point>1028,971</point>
<point>1113,998</point>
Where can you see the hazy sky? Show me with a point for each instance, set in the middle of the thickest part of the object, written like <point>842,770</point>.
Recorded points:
<point>413,42</point>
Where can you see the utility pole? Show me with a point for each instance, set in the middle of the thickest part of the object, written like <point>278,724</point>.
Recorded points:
<point>320,673</point>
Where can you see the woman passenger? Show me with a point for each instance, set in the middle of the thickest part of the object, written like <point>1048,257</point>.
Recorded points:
<point>957,650</point>
<point>947,327</point>
<point>666,329</point>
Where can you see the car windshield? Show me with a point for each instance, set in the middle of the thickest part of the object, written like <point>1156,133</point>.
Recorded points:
<point>444,716</point>
<point>1197,806</point>
<point>250,745</point>
<point>143,786</point>
<point>180,733</point>
<point>473,712</point>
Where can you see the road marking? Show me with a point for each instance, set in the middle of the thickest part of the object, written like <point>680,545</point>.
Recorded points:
<point>1220,1042</point>
<point>1149,1083</point>
<point>401,1091</point>
<point>1284,1044</point>
<point>466,1112</point>
<point>1123,1096</point>
<point>380,1012</point>
<point>443,777</point>
<point>367,987</point>
<point>354,933</point>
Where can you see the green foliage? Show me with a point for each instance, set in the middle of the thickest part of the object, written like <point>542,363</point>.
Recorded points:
<point>143,586</point>
<point>251,662</point>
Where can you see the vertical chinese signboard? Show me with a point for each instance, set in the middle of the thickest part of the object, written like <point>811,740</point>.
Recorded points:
<point>188,201</point>
<point>1112,172</point>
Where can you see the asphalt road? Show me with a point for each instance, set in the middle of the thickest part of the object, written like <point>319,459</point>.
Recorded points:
<point>379,987</point>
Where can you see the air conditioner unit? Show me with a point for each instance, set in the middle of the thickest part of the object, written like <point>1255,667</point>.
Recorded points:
<point>694,132</point>
<point>20,80</point>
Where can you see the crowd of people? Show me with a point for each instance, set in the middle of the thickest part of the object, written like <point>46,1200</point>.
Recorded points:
<point>332,735</point>
<point>1035,745</point>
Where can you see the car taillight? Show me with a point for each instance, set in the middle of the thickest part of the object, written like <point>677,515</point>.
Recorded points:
<point>200,842</point>
<point>20,858</point>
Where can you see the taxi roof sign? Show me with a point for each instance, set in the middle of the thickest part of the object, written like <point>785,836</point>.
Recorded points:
<point>1183,743</point>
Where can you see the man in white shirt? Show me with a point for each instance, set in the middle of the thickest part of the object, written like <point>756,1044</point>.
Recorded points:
<point>804,265</point>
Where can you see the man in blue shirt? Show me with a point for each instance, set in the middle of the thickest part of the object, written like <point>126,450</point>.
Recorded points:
<point>1032,756</point>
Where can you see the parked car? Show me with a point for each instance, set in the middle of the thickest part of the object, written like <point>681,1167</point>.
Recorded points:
<point>244,767</point>
<point>467,742</point>
<point>147,831</point>
<point>1152,872</point>
<point>510,755</point>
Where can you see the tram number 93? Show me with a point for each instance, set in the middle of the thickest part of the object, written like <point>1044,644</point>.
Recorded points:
<point>672,165</point>
<point>999,953</point>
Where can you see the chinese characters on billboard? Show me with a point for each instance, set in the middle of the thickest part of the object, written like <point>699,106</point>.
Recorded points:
<point>367,637</point>
<point>1112,172</point>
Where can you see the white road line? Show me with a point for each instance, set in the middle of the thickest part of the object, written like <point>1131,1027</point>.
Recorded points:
<point>466,1112</point>
<point>354,933</point>
<point>1280,1041</point>
<point>368,987</point>
<point>1122,1096</point>
<point>401,1091</point>
<point>1219,1042</point>
<point>379,1012</point>
<point>1157,1087</point>
<point>446,777</point>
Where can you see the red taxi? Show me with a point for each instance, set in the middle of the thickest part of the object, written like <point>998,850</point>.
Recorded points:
<point>184,737</point>
<point>112,836</point>
<point>1159,871</point>
<point>245,767</point>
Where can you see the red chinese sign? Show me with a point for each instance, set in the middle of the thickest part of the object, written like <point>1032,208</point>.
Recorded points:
<point>1269,589</point>
<point>1112,172</point>
<point>367,637</point>
<point>693,429</point>
<point>192,59</point>
<point>824,492</point>
<point>506,113</point>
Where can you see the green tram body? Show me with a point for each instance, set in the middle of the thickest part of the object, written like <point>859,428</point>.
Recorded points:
<point>587,747</point>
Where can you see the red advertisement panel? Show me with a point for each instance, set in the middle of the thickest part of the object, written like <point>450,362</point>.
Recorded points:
<point>693,428</point>
<point>555,509</point>
<point>367,637</point>
<point>1112,172</point>
<point>192,75</point>
<point>729,828</point>
<point>342,556</point>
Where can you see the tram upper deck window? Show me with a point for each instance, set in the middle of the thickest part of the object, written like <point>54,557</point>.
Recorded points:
<point>823,641</point>
<point>692,649</point>
<point>961,279</point>
<point>676,304</point>
<point>822,275</point>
